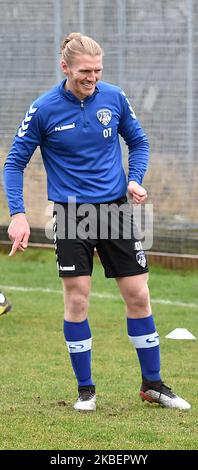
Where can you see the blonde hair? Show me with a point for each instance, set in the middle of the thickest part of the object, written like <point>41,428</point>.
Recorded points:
<point>75,44</point>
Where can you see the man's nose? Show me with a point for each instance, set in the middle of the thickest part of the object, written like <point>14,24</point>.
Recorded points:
<point>91,75</point>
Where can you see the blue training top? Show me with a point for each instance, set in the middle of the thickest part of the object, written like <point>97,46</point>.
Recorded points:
<point>79,142</point>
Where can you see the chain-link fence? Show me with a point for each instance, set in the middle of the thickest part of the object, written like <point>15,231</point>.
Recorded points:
<point>151,50</point>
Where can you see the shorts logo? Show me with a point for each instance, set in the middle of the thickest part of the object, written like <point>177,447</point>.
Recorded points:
<point>104,116</point>
<point>67,268</point>
<point>141,258</point>
<point>138,246</point>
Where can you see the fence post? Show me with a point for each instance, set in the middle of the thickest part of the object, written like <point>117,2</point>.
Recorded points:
<point>57,39</point>
<point>190,88</point>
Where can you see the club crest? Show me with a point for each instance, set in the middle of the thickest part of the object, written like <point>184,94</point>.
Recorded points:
<point>104,116</point>
<point>141,258</point>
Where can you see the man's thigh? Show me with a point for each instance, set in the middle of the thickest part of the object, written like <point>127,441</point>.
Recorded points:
<point>74,255</point>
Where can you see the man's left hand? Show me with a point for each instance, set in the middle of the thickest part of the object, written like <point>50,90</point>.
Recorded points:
<point>137,193</point>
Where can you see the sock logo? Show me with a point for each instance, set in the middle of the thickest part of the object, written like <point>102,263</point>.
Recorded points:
<point>75,347</point>
<point>79,346</point>
<point>152,340</point>
<point>145,341</point>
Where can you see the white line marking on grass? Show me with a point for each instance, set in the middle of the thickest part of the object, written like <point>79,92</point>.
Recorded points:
<point>99,295</point>
<point>174,302</point>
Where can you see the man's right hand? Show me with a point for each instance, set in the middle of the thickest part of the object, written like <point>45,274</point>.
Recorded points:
<point>18,232</point>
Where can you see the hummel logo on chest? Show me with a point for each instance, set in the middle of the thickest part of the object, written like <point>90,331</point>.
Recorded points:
<point>65,128</point>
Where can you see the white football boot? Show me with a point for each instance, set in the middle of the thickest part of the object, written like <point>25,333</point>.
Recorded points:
<point>158,392</point>
<point>86,398</point>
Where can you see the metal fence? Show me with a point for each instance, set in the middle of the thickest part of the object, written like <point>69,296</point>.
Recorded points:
<point>151,50</point>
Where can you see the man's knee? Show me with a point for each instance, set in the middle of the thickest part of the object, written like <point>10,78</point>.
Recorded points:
<point>136,294</point>
<point>77,301</point>
<point>140,297</point>
<point>76,296</point>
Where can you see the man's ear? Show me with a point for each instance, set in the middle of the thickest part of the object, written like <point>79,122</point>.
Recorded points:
<point>64,66</point>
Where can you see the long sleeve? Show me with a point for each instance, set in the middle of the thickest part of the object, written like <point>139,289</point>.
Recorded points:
<point>136,140</point>
<point>27,139</point>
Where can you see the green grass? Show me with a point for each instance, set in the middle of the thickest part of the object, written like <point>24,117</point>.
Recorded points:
<point>38,387</point>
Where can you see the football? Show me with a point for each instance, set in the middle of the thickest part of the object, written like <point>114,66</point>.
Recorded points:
<point>5,307</point>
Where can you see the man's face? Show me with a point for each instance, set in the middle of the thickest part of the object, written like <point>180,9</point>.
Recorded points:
<point>83,74</point>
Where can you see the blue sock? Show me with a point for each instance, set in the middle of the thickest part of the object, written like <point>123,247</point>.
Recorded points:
<point>144,337</point>
<point>79,340</point>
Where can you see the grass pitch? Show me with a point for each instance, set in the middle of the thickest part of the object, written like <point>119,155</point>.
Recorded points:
<point>38,387</point>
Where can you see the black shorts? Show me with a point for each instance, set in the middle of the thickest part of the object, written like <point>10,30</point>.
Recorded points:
<point>79,229</point>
